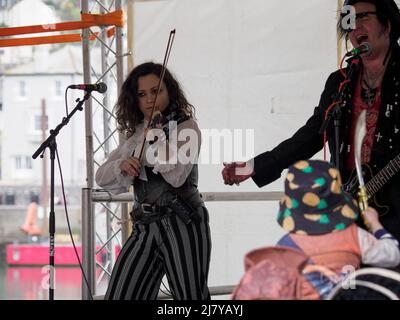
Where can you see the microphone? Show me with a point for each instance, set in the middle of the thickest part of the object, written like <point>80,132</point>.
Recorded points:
<point>99,87</point>
<point>364,48</point>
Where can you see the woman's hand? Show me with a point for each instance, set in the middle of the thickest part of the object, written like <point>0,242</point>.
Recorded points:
<point>131,167</point>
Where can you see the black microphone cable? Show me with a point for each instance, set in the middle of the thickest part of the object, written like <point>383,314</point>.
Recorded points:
<point>66,102</point>
<point>66,209</point>
<point>69,226</point>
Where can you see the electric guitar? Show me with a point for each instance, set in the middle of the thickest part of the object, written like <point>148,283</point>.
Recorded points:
<point>375,183</point>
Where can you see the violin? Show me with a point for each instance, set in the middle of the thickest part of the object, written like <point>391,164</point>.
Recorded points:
<point>157,122</point>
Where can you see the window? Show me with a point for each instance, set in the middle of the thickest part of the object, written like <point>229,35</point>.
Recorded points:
<point>18,162</point>
<point>58,88</point>
<point>38,122</point>
<point>28,162</point>
<point>23,162</point>
<point>22,88</point>
<point>9,198</point>
<point>34,196</point>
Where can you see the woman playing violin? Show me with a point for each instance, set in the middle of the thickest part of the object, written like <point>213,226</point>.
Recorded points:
<point>171,234</point>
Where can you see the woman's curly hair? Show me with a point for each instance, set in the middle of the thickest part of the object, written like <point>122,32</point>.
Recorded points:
<point>128,112</point>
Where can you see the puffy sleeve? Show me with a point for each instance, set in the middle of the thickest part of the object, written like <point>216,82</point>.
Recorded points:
<point>380,249</point>
<point>109,175</point>
<point>184,149</point>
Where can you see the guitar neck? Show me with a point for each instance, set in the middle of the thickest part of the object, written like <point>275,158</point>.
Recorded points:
<point>383,176</point>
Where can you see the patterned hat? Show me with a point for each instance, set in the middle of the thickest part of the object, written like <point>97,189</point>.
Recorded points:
<point>314,202</point>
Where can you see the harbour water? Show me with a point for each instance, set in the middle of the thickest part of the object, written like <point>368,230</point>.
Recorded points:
<point>31,283</point>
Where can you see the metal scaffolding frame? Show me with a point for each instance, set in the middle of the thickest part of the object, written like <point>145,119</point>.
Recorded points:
<point>89,197</point>
<point>98,141</point>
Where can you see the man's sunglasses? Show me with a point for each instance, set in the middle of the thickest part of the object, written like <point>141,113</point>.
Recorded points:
<point>362,15</point>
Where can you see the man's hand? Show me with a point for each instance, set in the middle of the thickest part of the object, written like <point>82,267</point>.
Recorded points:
<point>237,172</point>
<point>131,167</point>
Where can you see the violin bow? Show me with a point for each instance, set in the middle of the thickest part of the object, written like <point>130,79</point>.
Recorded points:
<point>164,66</point>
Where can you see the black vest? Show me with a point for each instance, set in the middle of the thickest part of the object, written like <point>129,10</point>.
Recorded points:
<point>158,191</point>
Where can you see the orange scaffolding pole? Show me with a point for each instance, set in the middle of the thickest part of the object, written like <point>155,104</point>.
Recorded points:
<point>114,18</point>
<point>76,37</point>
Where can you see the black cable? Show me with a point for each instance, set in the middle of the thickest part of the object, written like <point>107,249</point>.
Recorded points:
<point>65,205</point>
<point>66,102</point>
<point>69,226</point>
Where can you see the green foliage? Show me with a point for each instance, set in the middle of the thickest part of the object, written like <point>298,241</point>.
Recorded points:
<point>67,10</point>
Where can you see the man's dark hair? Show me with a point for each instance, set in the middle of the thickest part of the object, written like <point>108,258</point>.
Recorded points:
<point>387,11</point>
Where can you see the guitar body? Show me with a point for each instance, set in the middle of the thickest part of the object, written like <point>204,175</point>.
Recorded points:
<point>352,187</point>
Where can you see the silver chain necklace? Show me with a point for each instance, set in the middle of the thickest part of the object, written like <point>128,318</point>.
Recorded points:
<point>368,93</point>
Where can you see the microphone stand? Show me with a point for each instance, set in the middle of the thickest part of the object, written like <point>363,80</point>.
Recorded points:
<point>51,143</point>
<point>337,110</point>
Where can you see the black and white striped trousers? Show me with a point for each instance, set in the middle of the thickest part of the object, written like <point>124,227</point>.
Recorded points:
<point>166,247</point>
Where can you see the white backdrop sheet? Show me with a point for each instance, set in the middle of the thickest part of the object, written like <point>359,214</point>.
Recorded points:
<point>244,64</point>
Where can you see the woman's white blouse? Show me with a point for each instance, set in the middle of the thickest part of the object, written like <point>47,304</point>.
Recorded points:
<point>185,138</point>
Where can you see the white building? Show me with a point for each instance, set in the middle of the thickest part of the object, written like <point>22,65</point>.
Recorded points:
<point>5,6</point>
<point>19,13</point>
<point>23,89</point>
